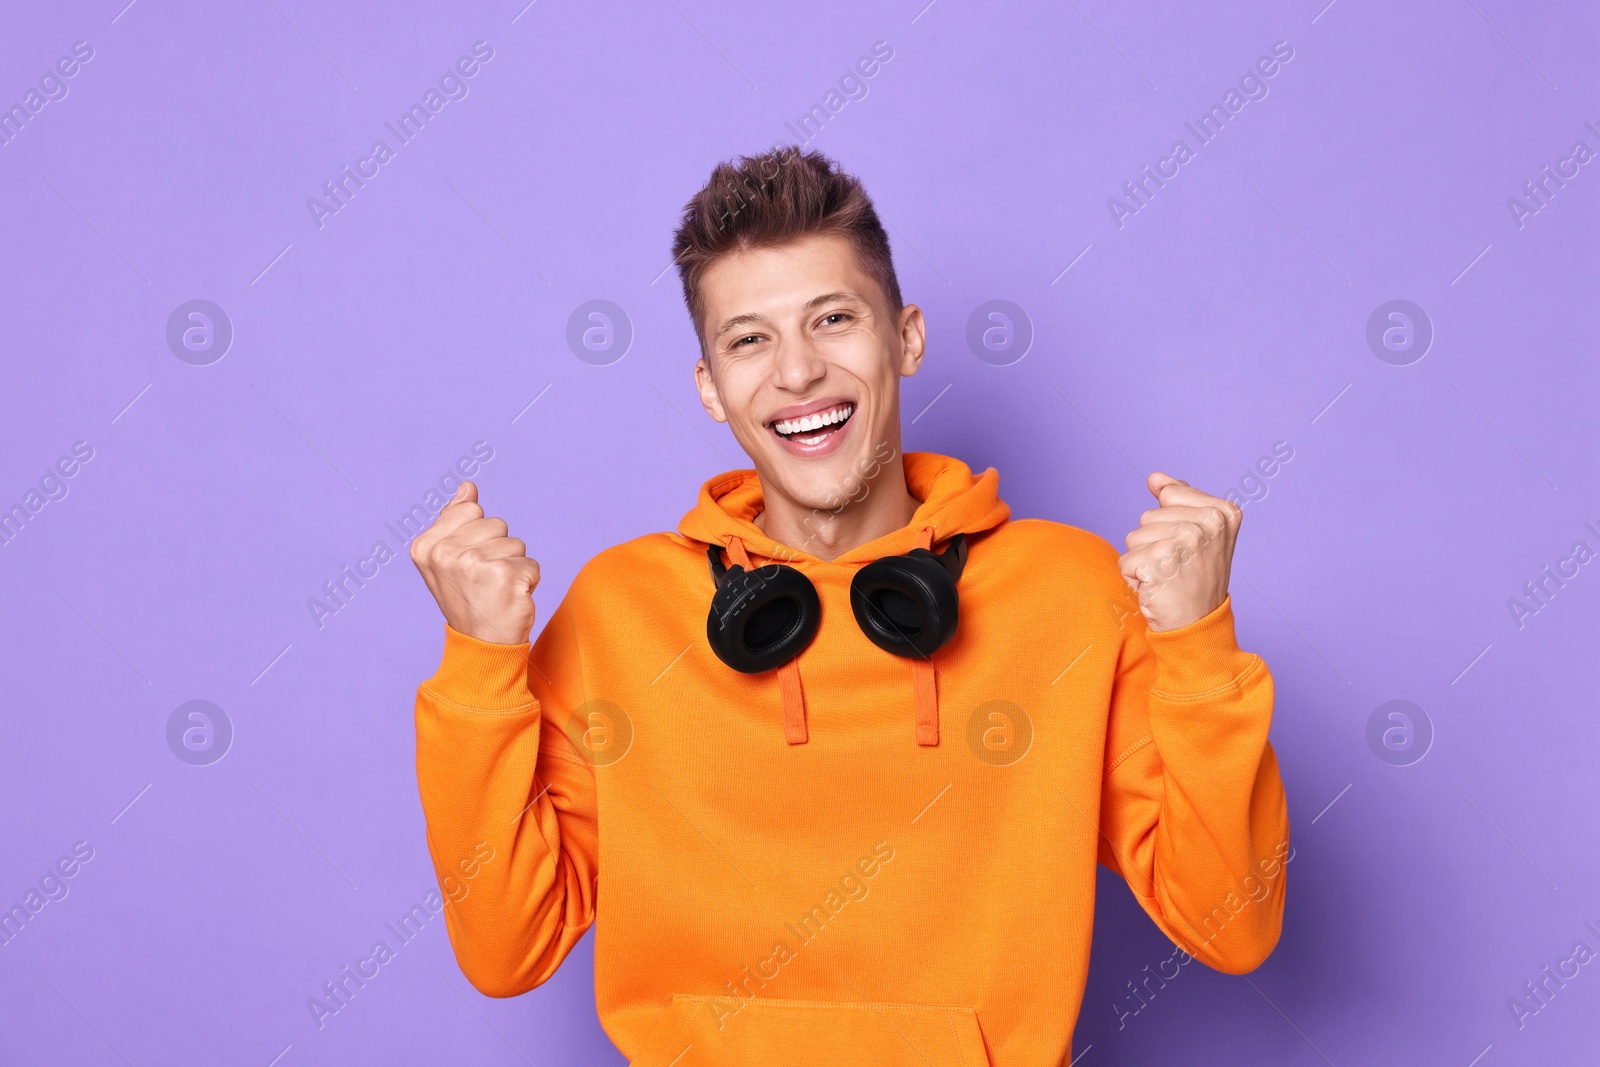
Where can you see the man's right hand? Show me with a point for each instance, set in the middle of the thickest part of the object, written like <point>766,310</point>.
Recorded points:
<point>482,578</point>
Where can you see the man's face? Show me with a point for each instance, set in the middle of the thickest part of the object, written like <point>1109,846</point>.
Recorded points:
<point>801,332</point>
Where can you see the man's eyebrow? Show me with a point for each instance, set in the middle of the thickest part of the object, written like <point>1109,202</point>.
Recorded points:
<point>828,298</point>
<point>739,320</point>
<point>810,305</point>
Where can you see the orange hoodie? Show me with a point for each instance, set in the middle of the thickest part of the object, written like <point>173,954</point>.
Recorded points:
<point>864,893</point>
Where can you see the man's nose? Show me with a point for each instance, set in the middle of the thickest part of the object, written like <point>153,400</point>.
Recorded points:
<point>798,363</point>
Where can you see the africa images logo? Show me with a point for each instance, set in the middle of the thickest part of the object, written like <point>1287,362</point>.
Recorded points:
<point>452,86</point>
<point>1252,86</point>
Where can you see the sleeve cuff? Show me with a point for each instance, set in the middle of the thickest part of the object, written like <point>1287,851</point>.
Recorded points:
<point>482,674</point>
<point>1201,657</point>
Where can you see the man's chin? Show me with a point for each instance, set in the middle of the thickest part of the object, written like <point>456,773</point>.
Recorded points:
<point>826,483</point>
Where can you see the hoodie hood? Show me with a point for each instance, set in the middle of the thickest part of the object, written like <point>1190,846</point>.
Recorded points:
<point>954,501</point>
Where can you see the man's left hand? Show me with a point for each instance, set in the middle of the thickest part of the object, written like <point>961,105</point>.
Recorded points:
<point>1179,558</point>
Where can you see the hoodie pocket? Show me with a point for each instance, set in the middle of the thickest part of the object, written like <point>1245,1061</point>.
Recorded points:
<point>704,1031</point>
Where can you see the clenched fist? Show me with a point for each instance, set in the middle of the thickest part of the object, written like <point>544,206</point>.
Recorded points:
<point>1179,558</point>
<point>482,579</point>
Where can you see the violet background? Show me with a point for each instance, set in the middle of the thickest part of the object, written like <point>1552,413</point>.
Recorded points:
<point>1227,315</point>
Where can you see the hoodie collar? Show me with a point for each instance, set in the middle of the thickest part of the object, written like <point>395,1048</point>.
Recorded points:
<point>954,500</point>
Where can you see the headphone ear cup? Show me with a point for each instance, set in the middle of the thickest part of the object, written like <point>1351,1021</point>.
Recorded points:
<point>763,618</point>
<point>906,605</point>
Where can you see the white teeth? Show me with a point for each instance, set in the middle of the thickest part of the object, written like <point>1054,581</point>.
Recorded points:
<point>815,421</point>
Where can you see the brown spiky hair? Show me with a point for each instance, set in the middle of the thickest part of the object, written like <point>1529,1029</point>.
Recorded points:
<point>770,199</point>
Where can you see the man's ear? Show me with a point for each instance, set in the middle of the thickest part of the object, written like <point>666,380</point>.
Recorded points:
<point>708,390</point>
<point>913,339</point>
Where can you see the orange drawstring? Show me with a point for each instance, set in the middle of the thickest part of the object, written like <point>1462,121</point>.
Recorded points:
<point>794,697</point>
<point>924,681</point>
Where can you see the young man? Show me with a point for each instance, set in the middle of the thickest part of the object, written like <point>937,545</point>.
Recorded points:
<point>826,796</point>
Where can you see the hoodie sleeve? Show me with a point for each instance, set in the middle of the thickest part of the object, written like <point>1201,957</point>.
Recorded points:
<point>1193,813</point>
<point>509,804</point>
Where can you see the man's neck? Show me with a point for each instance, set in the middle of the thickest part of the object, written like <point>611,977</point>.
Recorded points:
<point>885,507</point>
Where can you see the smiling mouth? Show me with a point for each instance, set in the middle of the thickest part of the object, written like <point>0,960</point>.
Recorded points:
<point>815,428</point>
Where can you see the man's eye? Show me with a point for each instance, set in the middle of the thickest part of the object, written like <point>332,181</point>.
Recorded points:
<point>747,337</point>
<point>836,315</point>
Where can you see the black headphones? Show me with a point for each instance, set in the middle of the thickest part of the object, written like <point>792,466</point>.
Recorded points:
<point>763,618</point>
